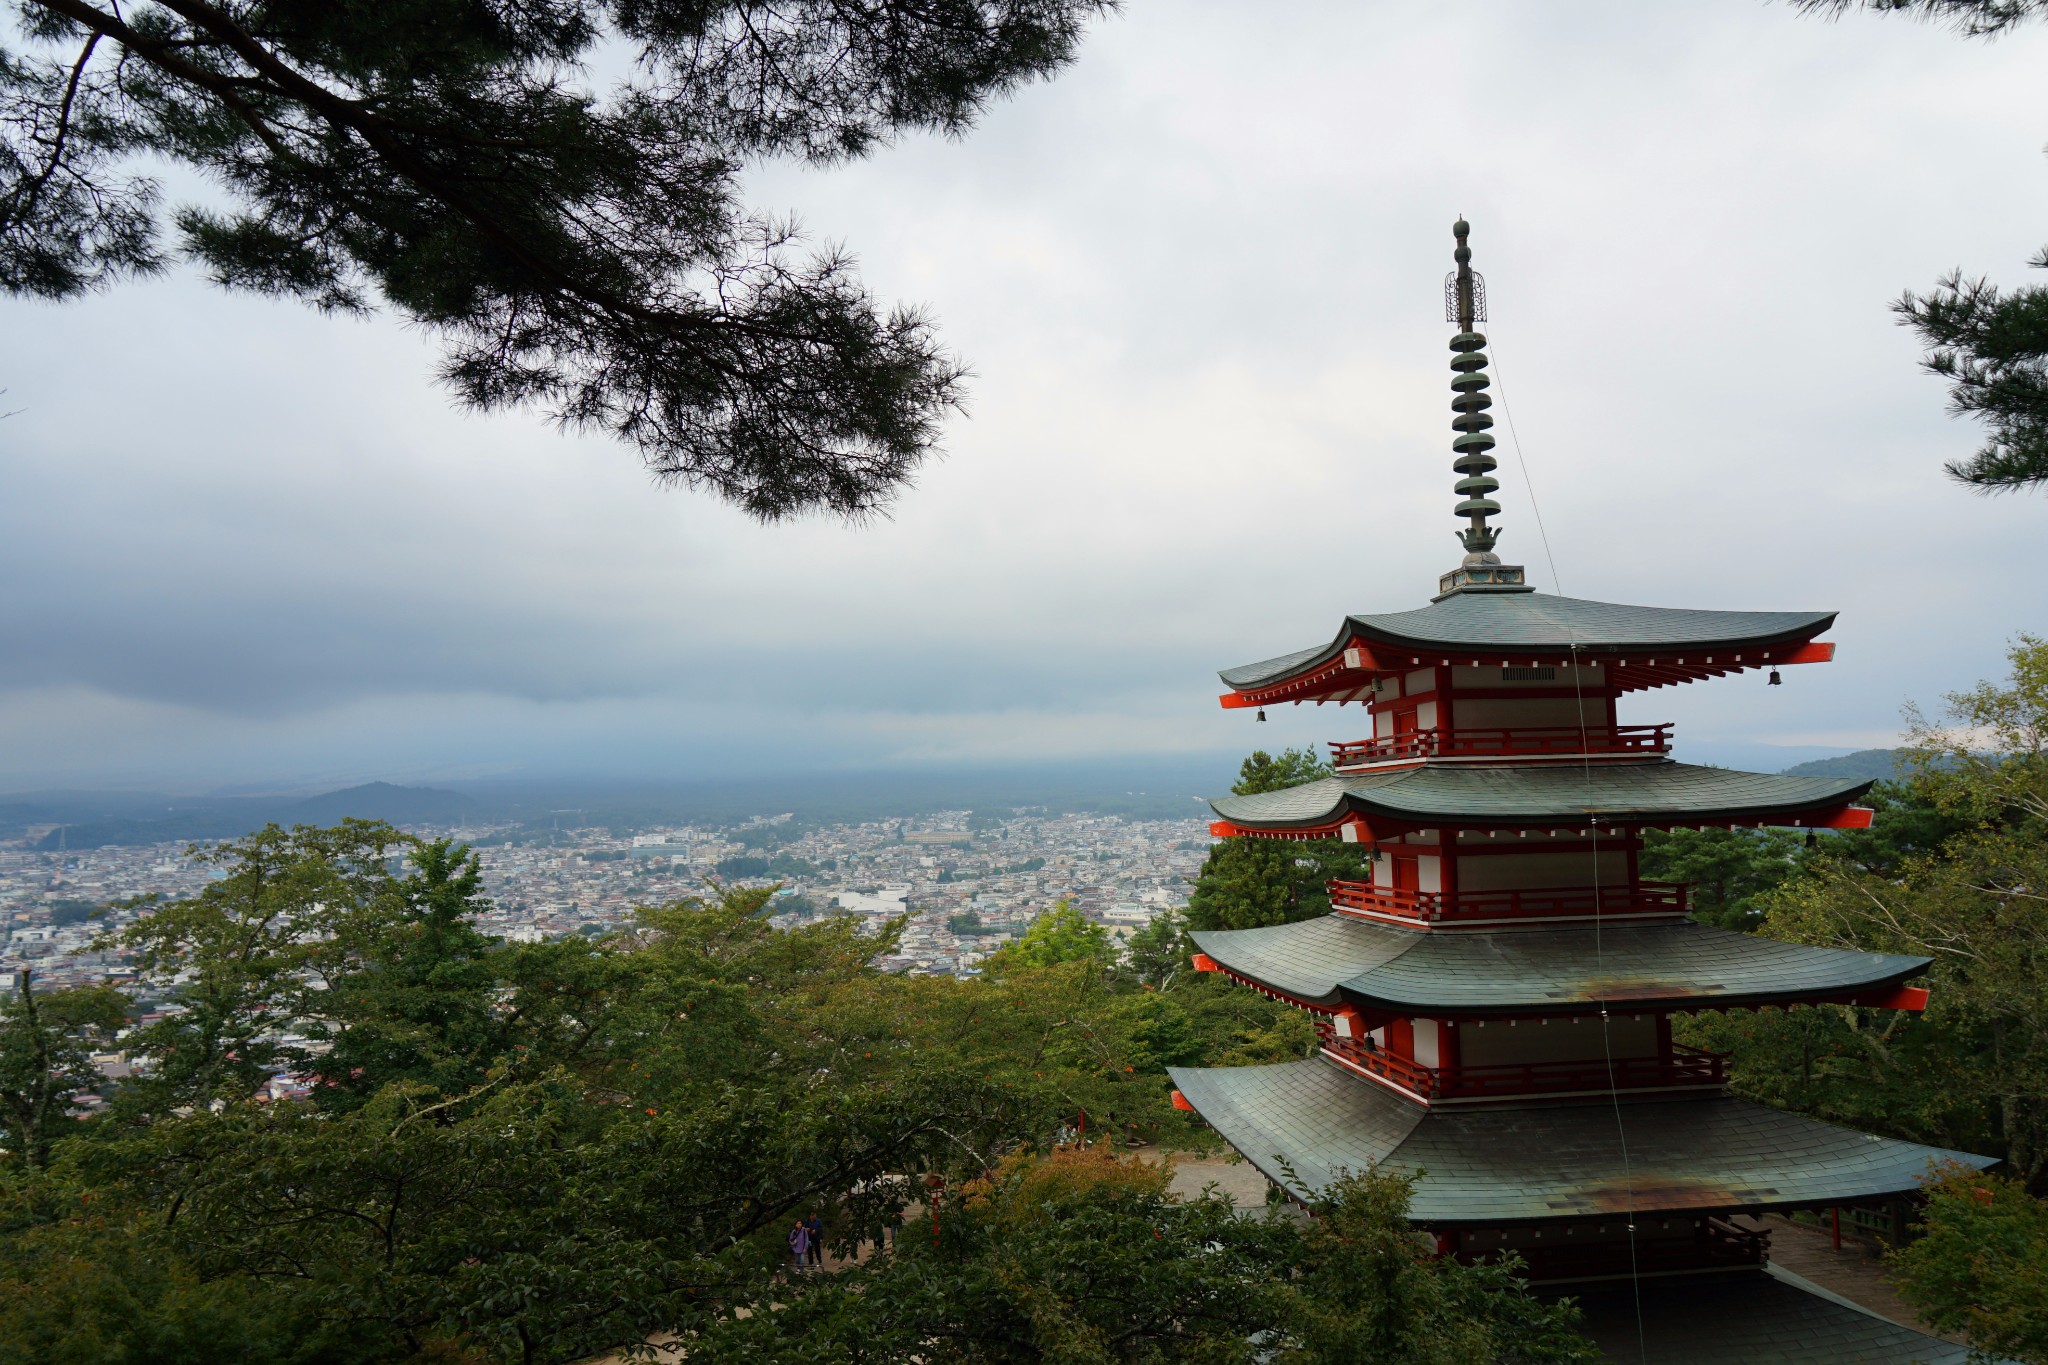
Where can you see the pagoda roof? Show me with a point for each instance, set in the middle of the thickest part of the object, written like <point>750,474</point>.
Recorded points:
<point>1768,1314</point>
<point>1530,796</point>
<point>1336,959</point>
<point>1495,1165</point>
<point>1534,623</point>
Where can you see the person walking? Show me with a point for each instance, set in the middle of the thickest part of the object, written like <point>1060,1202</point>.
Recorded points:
<point>799,1244</point>
<point>814,1229</point>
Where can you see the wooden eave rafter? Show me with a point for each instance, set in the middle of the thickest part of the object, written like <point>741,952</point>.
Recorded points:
<point>1354,672</point>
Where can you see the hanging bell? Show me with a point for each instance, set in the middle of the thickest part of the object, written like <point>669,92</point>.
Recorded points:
<point>1261,717</point>
<point>1813,838</point>
<point>1776,681</point>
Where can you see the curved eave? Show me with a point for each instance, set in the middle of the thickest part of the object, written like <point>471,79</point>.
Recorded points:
<point>1517,797</point>
<point>1654,647</point>
<point>1532,1164</point>
<point>1786,629</point>
<point>1385,972</point>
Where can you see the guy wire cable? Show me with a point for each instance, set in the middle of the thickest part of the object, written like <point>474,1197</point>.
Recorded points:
<point>1635,1278</point>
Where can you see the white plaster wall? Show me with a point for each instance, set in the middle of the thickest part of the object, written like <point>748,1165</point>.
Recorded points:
<point>1426,1050</point>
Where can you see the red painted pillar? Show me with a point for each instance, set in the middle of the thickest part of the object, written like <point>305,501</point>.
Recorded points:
<point>1836,1212</point>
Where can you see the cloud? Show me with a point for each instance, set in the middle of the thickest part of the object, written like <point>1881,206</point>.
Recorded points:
<point>1198,278</point>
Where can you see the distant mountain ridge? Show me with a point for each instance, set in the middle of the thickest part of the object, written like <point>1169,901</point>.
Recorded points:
<point>1878,764</point>
<point>232,817</point>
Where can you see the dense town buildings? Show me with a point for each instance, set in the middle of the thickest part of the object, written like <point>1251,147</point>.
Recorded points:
<point>966,882</point>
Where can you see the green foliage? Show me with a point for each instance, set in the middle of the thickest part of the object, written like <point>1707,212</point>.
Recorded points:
<point>784,866</point>
<point>94,1289</point>
<point>1245,883</point>
<point>1972,1071</point>
<point>411,986</point>
<point>577,245</point>
<point>1980,1265</point>
<point>1159,952</point>
<point>245,953</point>
<point>1061,934</point>
<point>1262,772</point>
<point>1369,1287</point>
<point>1070,1257</point>
<point>1969,1072</point>
<point>1728,869</point>
<point>1073,1257</point>
<point>1908,825</point>
<point>1987,757</point>
<point>67,911</point>
<point>542,1152</point>
<point>46,1046</point>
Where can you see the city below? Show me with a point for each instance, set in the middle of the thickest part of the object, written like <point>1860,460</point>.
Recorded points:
<point>964,883</point>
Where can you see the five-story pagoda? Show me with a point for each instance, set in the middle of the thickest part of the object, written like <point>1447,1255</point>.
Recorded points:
<point>1495,1004</point>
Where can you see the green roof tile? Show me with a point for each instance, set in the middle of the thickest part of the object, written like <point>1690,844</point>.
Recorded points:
<point>1759,1317</point>
<point>1531,795</point>
<point>1539,621</point>
<point>1543,970</point>
<point>1489,1166</point>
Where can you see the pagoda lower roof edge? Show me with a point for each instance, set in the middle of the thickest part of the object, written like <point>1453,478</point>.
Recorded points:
<point>1540,1163</point>
<point>1532,972</point>
<point>1510,796</point>
<point>1540,627</point>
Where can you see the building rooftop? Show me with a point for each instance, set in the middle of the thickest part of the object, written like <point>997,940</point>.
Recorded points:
<point>1496,1166</point>
<point>1557,970</point>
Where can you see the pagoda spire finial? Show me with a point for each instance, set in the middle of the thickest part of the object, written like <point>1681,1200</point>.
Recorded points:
<point>1471,443</point>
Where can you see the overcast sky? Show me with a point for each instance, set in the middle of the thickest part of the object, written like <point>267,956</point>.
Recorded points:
<point>1199,280</point>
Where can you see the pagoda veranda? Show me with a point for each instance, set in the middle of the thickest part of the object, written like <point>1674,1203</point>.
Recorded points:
<point>1494,994</point>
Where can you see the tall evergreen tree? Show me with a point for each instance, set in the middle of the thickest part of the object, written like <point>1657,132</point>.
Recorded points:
<point>577,248</point>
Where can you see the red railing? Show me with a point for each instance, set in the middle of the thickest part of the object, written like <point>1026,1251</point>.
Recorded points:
<point>1402,1072</point>
<point>1533,742</point>
<point>1674,1068</point>
<point>1430,907</point>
